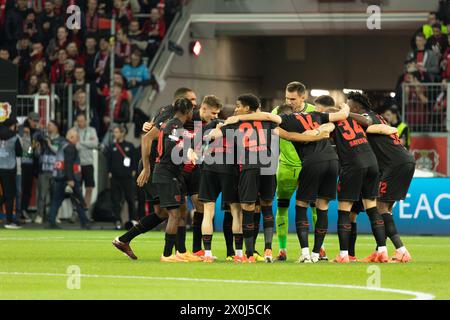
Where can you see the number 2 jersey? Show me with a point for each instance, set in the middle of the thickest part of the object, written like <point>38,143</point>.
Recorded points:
<point>388,150</point>
<point>352,146</point>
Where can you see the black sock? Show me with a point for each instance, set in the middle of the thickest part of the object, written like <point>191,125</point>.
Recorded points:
<point>181,239</point>
<point>268,224</point>
<point>238,240</point>
<point>207,239</point>
<point>170,243</point>
<point>320,230</point>
<point>197,231</point>
<point>248,227</point>
<point>228,232</point>
<point>256,219</point>
<point>391,230</point>
<point>353,236</point>
<point>377,224</point>
<point>147,223</point>
<point>344,229</point>
<point>302,225</point>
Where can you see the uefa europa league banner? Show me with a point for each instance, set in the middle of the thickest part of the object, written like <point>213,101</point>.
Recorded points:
<point>425,211</point>
<point>9,82</point>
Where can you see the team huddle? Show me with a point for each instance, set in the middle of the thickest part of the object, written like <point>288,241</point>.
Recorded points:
<point>316,151</point>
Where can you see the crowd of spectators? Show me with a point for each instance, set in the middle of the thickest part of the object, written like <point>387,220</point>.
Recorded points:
<point>35,37</point>
<point>423,85</point>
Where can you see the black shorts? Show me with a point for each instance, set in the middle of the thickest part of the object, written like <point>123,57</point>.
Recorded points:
<point>191,181</point>
<point>87,176</point>
<point>213,183</point>
<point>318,180</point>
<point>151,191</point>
<point>394,183</point>
<point>253,185</point>
<point>170,192</point>
<point>356,182</point>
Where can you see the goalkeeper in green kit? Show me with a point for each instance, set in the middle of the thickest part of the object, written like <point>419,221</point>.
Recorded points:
<point>289,168</point>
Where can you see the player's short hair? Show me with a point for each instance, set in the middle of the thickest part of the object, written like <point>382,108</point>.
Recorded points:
<point>181,93</point>
<point>250,100</point>
<point>183,106</point>
<point>296,86</point>
<point>212,101</point>
<point>285,109</point>
<point>360,98</point>
<point>325,101</point>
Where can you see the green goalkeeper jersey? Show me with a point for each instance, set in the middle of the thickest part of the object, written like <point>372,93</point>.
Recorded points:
<point>288,154</point>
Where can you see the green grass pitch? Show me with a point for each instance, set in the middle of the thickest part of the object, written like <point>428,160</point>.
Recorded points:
<point>34,265</point>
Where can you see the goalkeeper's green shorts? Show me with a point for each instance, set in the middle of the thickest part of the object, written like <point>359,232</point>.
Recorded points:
<point>287,180</point>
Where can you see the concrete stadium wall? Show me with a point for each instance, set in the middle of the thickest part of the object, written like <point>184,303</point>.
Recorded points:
<point>232,65</point>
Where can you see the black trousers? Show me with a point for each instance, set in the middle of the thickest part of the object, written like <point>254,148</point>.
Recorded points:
<point>123,188</point>
<point>27,185</point>
<point>8,184</point>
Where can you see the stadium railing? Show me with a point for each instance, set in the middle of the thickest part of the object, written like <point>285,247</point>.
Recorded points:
<point>425,107</point>
<point>34,103</point>
<point>63,102</point>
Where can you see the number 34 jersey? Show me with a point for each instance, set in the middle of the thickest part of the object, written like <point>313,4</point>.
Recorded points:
<point>352,146</point>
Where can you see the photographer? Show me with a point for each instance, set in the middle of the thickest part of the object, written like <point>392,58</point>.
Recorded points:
<point>48,147</point>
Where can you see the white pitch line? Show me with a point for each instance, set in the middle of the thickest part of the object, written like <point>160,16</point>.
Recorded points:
<point>417,295</point>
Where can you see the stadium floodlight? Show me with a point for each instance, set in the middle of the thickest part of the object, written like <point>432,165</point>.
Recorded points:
<point>196,48</point>
<point>347,91</point>
<point>319,92</point>
<point>392,94</point>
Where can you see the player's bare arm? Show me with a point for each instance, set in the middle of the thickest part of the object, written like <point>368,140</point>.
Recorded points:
<point>342,114</point>
<point>146,147</point>
<point>256,116</point>
<point>307,136</point>
<point>362,120</point>
<point>381,129</point>
<point>216,133</point>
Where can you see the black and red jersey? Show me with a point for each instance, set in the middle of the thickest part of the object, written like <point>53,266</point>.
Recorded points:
<point>352,145</point>
<point>166,113</point>
<point>252,143</point>
<point>389,150</point>
<point>311,152</point>
<point>173,142</point>
<point>219,155</point>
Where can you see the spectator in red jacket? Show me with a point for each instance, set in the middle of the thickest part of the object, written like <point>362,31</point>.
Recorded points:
<point>57,70</point>
<point>155,27</point>
<point>92,18</point>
